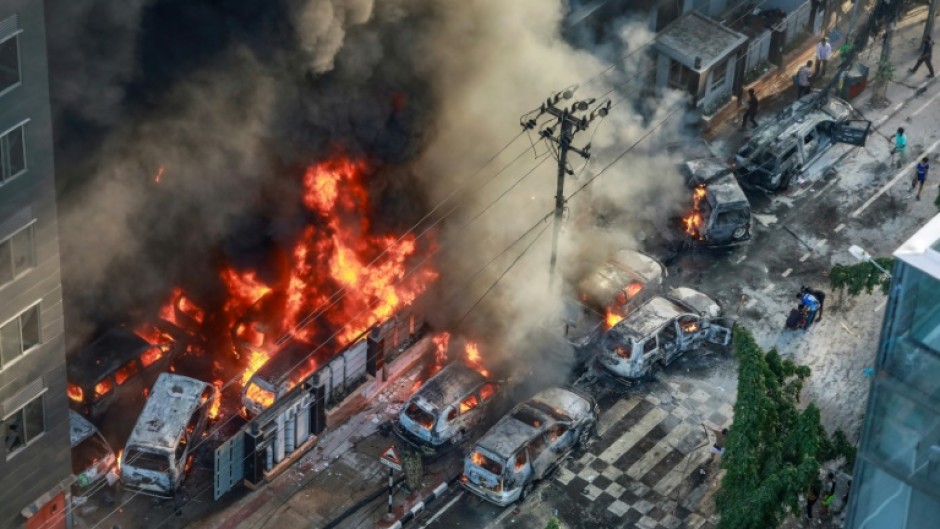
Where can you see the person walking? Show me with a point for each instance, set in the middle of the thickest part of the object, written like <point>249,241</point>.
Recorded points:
<point>920,176</point>
<point>718,447</point>
<point>926,53</point>
<point>811,305</point>
<point>804,80</point>
<point>751,112</point>
<point>829,494</point>
<point>823,54</point>
<point>812,496</point>
<point>900,147</point>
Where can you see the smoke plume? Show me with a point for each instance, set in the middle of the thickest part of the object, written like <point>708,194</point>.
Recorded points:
<point>228,101</point>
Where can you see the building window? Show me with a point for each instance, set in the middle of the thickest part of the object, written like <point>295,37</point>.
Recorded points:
<point>719,77</point>
<point>680,77</point>
<point>13,153</point>
<point>23,426</point>
<point>17,254</point>
<point>9,63</point>
<point>19,335</point>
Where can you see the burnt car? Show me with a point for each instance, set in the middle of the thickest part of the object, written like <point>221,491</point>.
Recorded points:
<point>93,461</point>
<point>610,292</point>
<point>527,444</point>
<point>166,435</point>
<point>116,368</point>
<point>721,215</point>
<point>782,148</point>
<point>660,331</point>
<point>446,407</point>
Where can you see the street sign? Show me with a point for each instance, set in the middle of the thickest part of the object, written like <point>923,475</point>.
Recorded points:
<point>390,458</point>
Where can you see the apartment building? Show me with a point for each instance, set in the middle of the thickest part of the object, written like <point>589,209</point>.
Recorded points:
<point>35,461</point>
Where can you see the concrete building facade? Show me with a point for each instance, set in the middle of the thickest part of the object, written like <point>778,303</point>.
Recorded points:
<point>35,460</point>
<point>897,472</point>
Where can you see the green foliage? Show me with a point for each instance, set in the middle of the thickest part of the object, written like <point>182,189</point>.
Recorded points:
<point>553,523</point>
<point>862,276</point>
<point>838,446</point>
<point>773,448</point>
<point>885,72</point>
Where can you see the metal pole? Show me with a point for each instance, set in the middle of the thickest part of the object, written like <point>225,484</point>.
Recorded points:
<point>564,142</point>
<point>931,15</point>
<point>390,481</point>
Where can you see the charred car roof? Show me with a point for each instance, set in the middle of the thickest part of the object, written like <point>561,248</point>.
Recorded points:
<point>451,383</point>
<point>647,319</point>
<point>696,300</point>
<point>718,177</point>
<point>620,270</point>
<point>531,417</point>
<point>169,407</point>
<point>105,355</point>
<point>279,368</point>
<point>726,190</point>
<point>79,428</point>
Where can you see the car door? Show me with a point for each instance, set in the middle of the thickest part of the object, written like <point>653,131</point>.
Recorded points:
<point>690,334</point>
<point>718,331</point>
<point>540,456</point>
<point>851,132</point>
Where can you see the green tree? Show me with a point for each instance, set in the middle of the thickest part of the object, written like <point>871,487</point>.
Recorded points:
<point>852,279</point>
<point>553,523</point>
<point>773,447</point>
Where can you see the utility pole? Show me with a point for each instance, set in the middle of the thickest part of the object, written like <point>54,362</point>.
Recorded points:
<point>568,122</point>
<point>931,15</point>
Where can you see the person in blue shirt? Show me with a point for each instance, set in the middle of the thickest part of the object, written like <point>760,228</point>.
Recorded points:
<point>811,306</point>
<point>921,175</point>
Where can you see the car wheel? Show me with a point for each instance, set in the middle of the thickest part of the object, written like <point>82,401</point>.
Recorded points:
<point>739,232</point>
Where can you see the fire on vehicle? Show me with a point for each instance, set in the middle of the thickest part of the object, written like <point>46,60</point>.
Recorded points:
<point>721,213</point>
<point>662,330</point>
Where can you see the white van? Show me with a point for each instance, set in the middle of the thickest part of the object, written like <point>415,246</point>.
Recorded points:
<point>92,457</point>
<point>166,433</point>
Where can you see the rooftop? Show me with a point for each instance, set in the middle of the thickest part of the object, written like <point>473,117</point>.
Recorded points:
<point>922,250</point>
<point>694,35</point>
<point>168,409</point>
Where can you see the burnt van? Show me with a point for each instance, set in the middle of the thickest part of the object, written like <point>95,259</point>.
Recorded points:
<point>609,292</point>
<point>662,330</point>
<point>93,461</point>
<point>527,444</point>
<point>166,434</point>
<point>446,407</point>
<point>721,214</point>
<point>293,362</point>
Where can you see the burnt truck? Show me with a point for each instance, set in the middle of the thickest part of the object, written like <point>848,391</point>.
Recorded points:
<point>527,444</point>
<point>166,434</point>
<point>721,215</point>
<point>781,149</point>
<point>612,290</point>
<point>446,407</point>
<point>661,331</point>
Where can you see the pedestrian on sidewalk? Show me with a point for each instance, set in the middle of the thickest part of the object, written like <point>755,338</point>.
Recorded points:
<point>752,105</point>
<point>804,80</point>
<point>812,496</point>
<point>926,53</point>
<point>811,306</point>
<point>920,176</point>
<point>829,494</point>
<point>820,297</point>
<point>900,147</point>
<point>823,54</point>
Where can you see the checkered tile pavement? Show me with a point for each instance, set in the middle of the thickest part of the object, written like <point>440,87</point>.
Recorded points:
<point>644,470</point>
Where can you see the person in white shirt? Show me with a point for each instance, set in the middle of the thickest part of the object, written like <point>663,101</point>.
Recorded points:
<point>823,54</point>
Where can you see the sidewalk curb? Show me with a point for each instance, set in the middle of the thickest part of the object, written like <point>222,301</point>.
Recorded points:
<point>420,505</point>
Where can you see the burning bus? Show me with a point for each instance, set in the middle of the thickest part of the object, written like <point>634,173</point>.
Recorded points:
<point>160,448</point>
<point>610,292</point>
<point>446,407</point>
<point>663,329</point>
<point>527,444</point>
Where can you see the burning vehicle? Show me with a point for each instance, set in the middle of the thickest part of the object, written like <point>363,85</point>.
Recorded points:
<point>160,448</point>
<point>782,148</point>
<point>622,283</point>
<point>92,457</point>
<point>446,407</point>
<point>721,213</point>
<point>663,329</point>
<point>527,444</point>
<point>117,367</point>
<point>291,364</point>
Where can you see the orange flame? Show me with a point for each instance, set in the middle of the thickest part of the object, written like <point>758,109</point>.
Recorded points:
<point>120,457</point>
<point>256,359</point>
<point>261,396</point>
<point>216,405</point>
<point>159,175</point>
<point>693,221</point>
<point>243,289</point>
<point>474,359</point>
<point>75,392</point>
<point>612,318</point>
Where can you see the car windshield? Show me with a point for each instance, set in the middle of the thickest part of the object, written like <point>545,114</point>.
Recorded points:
<point>480,460</point>
<point>421,417</point>
<point>146,460</point>
<point>88,453</point>
<point>734,216</point>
